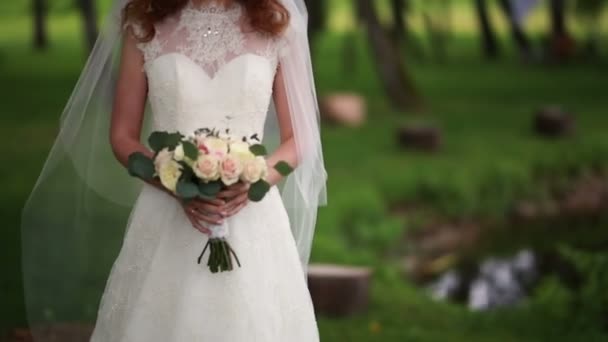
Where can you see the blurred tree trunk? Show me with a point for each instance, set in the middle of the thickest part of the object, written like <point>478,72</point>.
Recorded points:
<point>392,71</point>
<point>399,28</point>
<point>517,32</point>
<point>558,17</point>
<point>561,46</point>
<point>89,20</point>
<point>438,23</point>
<point>40,31</point>
<point>316,17</point>
<point>488,37</point>
<point>590,14</point>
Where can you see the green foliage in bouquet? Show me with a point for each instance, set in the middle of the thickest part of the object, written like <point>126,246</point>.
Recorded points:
<point>141,166</point>
<point>188,186</point>
<point>258,190</point>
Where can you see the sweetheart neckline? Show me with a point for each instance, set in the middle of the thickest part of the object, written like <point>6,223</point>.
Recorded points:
<point>147,64</point>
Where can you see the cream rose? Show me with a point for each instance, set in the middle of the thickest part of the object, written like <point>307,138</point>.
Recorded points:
<point>240,149</point>
<point>179,153</point>
<point>169,174</point>
<point>215,146</point>
<point>199,139</point>
<point>207,167</point>
<point>163,157</point>
<point>230,169</point>
<point>254,169</point>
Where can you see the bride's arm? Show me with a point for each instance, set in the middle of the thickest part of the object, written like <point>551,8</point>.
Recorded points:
<point>237,194</point>
<point>129,103</point>
<point>287,150</point>
<point>126,126</point>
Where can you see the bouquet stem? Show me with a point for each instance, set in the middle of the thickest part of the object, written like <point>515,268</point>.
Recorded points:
<point>220,255</point>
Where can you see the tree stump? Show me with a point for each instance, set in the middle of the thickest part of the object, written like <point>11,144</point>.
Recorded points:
<point>338,290</point>
<point>587,198</point>
<point>524,211</point>
<point>60,332</point>
<point>346,109</point>
<point>553,122</point>
<point>421,137</point>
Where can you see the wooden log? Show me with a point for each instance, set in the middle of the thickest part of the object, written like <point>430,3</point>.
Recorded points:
<point>339,290</point>
<point>553,122</point>
<point>422,137</point>
<point>587,198</point>
<point>58,332</point>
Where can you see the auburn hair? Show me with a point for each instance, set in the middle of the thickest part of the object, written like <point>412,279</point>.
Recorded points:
<point>266,16</point>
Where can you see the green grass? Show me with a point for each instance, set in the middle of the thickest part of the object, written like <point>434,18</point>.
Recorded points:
<point>490,158</point>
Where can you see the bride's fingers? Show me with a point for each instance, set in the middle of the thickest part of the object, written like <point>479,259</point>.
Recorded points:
<point>215,201</point>
<point>234,190</point>
<point>237,208</point>
<point>236,202</point>
<point>198,226</point>
<point>208,208</point>
<point>237,186</point>
<point>202,214</point>
<point>212,219</point>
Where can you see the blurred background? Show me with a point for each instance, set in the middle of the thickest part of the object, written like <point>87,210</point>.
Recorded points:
<point>467,151</point>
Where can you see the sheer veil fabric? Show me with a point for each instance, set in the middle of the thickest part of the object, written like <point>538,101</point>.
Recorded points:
<point>74,219</point>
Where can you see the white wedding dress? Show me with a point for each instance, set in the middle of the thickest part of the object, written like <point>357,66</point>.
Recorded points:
<point>205,69</point>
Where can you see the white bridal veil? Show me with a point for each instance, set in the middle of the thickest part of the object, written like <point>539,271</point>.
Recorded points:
<point>73,222</point>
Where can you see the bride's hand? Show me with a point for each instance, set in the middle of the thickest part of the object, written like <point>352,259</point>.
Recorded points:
<point>200,211</point>
<point>236,197</point>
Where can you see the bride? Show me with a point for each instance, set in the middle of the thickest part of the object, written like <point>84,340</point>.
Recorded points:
<point>241,66</point>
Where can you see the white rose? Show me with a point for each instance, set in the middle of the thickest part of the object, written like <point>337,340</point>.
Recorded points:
<point>207,167</point>
<point>199,139</point>
<point>230,169</point>
<point>240,149</point>
<point>163,157</point>
<point>216,146</point>
<point>179,153</point>
<point>254,170</point>
<point>169,174</point>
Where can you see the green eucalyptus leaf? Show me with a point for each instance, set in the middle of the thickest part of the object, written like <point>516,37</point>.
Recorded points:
<point>258,190</point>
<point>190,150</point>
<point>172,140</point>
<point>158,140</point>
<point>141,166</point>
<point>187,172</point>
<point>258,150</point>
<point>186,189</point>
<point>210,190</point>
<point>283,168</point>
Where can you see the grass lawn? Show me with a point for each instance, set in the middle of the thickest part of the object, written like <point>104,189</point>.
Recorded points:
<point>490,158</point>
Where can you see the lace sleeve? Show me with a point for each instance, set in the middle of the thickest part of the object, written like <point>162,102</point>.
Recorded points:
<point>282,46</point>
<point>149,49</point>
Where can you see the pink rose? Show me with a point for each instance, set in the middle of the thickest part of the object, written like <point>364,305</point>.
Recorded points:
<point>254,169</point>
<point>230,169</point>
<point>215,146</point>
<point>207,167</point>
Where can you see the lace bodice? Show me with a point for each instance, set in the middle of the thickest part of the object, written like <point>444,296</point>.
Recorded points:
<point>206,67</point>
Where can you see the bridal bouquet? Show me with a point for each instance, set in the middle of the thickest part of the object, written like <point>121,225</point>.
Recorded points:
<point>200,166</point>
